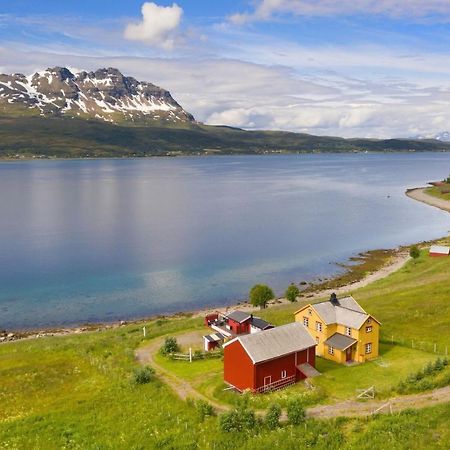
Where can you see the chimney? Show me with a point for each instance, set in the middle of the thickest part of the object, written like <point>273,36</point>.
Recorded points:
<point>334,300</point>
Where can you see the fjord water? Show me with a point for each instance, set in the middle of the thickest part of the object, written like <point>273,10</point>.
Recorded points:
<point>99,240</point>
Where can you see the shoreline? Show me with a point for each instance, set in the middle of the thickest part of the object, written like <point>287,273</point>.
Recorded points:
<point>397,259</point>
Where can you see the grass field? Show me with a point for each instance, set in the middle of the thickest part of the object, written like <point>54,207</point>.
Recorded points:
<point>440,191</point>
<point>77,392</point>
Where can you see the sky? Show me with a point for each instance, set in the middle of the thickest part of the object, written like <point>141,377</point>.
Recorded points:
<point>351,68</point>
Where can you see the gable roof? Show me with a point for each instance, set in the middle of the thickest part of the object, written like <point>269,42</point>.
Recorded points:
<point>238,316</point>
<point>260,323</point>
<point>276,342</point>
<point>340,341</point>
<point>346,312</point>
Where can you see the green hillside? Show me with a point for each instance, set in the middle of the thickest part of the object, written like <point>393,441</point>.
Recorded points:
<point>66,137</point>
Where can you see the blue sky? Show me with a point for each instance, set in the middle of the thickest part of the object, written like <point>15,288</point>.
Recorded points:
<point>370,68</point>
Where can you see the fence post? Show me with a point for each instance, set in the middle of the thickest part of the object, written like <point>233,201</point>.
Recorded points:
<point>392,339</point>
<point>435,347</point>
<point>144,330</point>
<point>190,354</point>
<point>412,343</point>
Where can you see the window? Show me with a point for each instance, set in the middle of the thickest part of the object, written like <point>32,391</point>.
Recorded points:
<point>317,340</point>
<point>331,350</point>
<point>368,329</point>
<point>348,331</point>
<point>319,326</point>
<point>369,320</point>
<point>310,311</point>
<point>368,348</point>
<point>283,374</point>
<point>305,321</point>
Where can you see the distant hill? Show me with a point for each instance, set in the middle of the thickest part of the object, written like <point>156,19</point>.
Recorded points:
<point>58,113</point>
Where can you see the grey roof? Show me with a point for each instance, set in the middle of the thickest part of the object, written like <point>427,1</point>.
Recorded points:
<point>215,337</point>
<point>238,316</point>
<point>340,341</point>
<point>444,250</point>
<point>278,341</point>
<point>260,323</point>
<point>347,313</point>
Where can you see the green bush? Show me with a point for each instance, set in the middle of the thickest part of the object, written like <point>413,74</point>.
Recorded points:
<point>170,346</point>
<point>204,409</point>
<point>241,419</point>
<point>272,419</point>
<point>295,412</point>
<point>414,252</point>
<point>143,375</point>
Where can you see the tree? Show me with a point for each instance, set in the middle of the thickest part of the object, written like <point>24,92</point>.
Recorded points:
<point>292,292</point>
<point>414,252</point>
<point>295,412</point>
<point>170,346</point>
<point>260,294</point>
<point>273,415</point>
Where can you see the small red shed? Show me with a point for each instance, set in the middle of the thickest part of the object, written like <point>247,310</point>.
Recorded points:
<point>439,250</point>
<point>270,359</point>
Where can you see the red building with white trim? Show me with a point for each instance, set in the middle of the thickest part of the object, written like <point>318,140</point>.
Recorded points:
<point>271,359</point>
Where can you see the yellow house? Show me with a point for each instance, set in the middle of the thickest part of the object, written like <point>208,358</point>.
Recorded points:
<point>343,331</point>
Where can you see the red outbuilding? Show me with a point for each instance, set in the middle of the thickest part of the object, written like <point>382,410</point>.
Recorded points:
<point>271,359</point>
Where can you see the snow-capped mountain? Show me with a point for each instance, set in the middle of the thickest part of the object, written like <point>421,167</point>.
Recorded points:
<point>105,94</point>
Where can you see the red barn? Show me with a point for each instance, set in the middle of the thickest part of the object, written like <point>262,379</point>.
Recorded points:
<point>270,359</point>
<point>439,250</point>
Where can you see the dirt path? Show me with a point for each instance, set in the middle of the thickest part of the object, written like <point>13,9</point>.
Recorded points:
<point>182,388</point>
<point>347,408</point>
<point>420,195</point>
<point>352,408</point>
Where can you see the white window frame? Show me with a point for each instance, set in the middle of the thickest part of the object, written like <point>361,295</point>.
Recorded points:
<point>368,348</point>
<point>306,321</point>
<point>319,327</point>
<point>369,329</point>
<point>331,350</point>
<point>348,331</point>
<point>283,374</point>
<point>317,340</point>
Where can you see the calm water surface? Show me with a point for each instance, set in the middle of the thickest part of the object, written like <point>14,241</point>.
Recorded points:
<point>113,239</point>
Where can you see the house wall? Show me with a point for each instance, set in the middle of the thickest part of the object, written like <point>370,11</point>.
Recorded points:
<point>363,338</point>
<point>313,318</point>
<point>239,328</point>
<point>289,363</point>
<point>238,368</point>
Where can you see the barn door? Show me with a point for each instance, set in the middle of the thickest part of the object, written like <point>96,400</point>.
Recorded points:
<point>267,380</point>
<point>348,354</point>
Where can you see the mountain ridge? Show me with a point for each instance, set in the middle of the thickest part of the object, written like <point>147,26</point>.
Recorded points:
<point>105,94</point>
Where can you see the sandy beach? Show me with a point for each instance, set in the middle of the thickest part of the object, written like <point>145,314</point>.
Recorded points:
<point>420,195</point>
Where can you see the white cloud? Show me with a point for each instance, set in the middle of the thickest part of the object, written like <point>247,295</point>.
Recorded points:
<point>158,25</point>
<point>416,9</point>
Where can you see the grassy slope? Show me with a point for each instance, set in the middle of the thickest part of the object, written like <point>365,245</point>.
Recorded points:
<point>66,137</point>
<point>75,391</point>
<point>440,191</point>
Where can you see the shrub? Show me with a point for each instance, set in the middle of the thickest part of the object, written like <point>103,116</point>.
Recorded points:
<point>295,412</point>
<point>292,292</point>
<point>241,419</point>
<point>438,365</point>
<point>429,369</point>
<point>170,346</point>
<point>143,375</point>
<point>414,252</point>
<point>204,409</point>
<point>272,419</point>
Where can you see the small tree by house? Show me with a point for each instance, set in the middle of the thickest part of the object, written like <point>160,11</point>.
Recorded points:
<point>295,412</point>
<point>170,346</point>
<point>414,252</point>
<point>272,419</point>
<point>260,294</point>
<point>292,292</point>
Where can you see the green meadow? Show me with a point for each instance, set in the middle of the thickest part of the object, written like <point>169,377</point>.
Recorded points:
<point>77,391</point>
